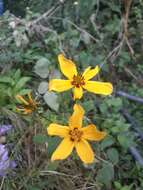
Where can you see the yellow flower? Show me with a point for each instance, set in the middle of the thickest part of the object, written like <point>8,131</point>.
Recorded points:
<point>78,81</point>
<point>75,136</point>
<point>28,105</point>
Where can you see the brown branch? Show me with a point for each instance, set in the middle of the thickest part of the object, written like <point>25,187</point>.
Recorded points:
<point>49,13</point>
<point>127,5</point>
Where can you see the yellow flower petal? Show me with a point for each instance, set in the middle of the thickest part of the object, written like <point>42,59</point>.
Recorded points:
<point>78,93</point>
<point>91,133</point>
<point>59,130</point>
<point>68,68</point>
<point>90,73</point>
<point>84,151</point>
<point>63,150</point>
<point>75,121</point>
<point>104,88</point>
<point>60,85</point>
<point>22,100</point>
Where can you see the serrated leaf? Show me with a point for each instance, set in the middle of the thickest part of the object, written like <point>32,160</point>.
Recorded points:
<point>41,67</point>
<point>51,100</point>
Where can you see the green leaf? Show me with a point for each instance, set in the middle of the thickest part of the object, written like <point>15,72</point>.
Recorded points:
<point>17,75</point>
<point>21,83</point>
<point>115,102</point>
<point>113,155</point>
<point>107,142</point>
<point>41,67</point>
<point>43,87</point>
<point>127,187</point>
<point>24,91</point>
<point>125,140</point>
<point>5,79</point>
<point>117,185</point>
<point>89,105</point>
<point>34,188</point>
<point>53,165</point>
<point>40,139</point>
<point>105,174</point>
<point>51,100</point>
<point>53,142</point>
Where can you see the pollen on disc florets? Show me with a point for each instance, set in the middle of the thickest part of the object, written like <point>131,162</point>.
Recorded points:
<point>78,81</point>
<point>75,134</point>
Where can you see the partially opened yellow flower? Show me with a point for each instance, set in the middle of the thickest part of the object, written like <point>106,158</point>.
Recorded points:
<point>75,136</point>
<point>27,105</point>
<point>78,81</point>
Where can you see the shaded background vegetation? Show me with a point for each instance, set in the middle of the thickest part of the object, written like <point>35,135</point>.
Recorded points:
<point>93,32</point>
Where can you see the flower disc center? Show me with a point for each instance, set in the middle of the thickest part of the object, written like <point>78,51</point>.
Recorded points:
<point>75,134</point>
<point>78,81</point>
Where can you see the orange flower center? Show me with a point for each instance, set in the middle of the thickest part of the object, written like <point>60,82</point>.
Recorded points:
<point>78,81</point>
<point>75,134</point>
